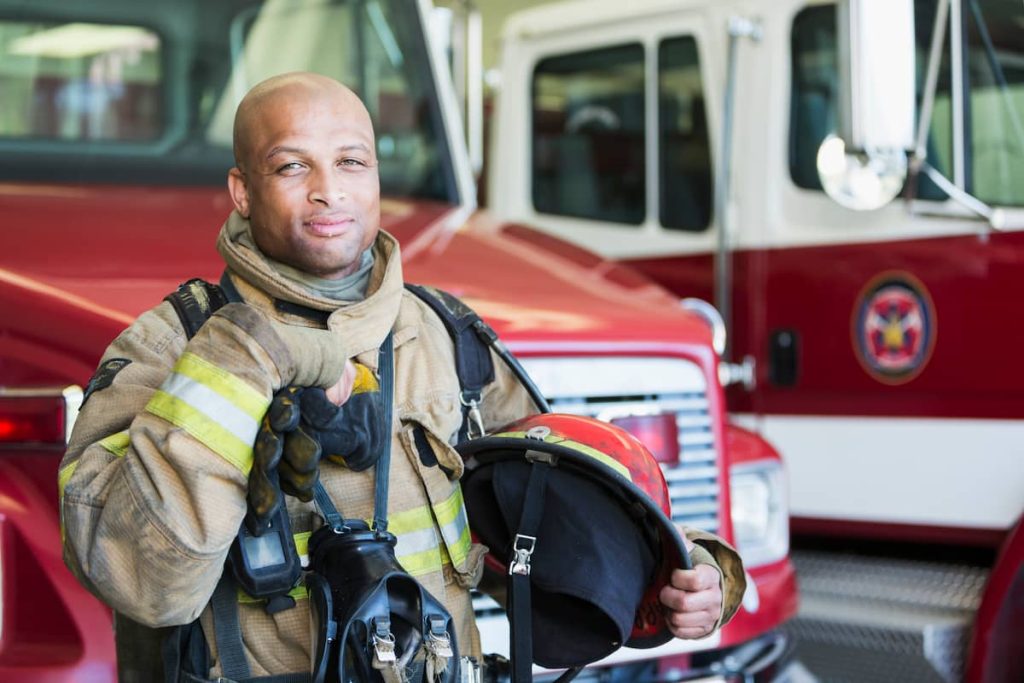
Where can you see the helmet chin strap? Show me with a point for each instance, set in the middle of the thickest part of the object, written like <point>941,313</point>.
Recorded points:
<point>520,606</point>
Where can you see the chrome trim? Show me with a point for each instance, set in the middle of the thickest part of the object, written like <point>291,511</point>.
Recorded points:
<point>73,399</point>
<point>607,387</point>
<point>713,318</point>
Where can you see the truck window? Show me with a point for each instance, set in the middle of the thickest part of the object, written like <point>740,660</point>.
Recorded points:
<point>994,146</point>
<point>685,190</point>
<point>995,118</point>
<point>148,97</point>
<point>80,81</point>
<point>814,93</point>
<point>588,135</point>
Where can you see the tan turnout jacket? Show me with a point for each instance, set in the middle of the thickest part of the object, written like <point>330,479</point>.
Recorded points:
<point>153,483</point>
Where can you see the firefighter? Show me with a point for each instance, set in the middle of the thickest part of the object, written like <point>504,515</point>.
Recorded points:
<point>160,470</point>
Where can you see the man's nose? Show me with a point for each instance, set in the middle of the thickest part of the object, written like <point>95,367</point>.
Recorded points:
<point>326,188</point>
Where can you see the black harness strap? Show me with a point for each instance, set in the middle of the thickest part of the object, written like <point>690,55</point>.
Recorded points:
<point>473,362</point>
<point>227,631</point>
<point>382,470</point>
<point>194,302</point>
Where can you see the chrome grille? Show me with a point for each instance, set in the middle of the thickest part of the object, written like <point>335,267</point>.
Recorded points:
<point>646,386</point>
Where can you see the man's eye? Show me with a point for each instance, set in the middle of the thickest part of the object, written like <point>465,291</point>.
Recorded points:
<point>291,167</point>
<point>353,162</point>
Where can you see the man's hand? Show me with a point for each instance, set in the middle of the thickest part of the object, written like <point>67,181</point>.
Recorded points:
<point>693,600</point>
<point>340,392</point>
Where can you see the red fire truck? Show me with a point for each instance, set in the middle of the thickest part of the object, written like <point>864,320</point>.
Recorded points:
<point>115,135</point>
<point>874,341</point>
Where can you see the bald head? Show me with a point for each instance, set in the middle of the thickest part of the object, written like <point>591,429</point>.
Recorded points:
<point>306,173</point>
<point>277,94</point>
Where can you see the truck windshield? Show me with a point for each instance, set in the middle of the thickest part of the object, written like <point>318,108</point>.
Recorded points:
<point>990,164</point>
<point>118,92</point>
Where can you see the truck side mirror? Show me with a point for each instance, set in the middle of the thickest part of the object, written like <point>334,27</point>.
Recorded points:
<point>865,165</point>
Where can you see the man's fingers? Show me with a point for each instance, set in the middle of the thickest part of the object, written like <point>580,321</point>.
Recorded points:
<point>691,601</point>
<point>690,633</point>
<point>702,621</point>
<point>702,577</point>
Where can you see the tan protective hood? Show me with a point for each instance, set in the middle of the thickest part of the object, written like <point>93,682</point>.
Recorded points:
<point>361,325</point>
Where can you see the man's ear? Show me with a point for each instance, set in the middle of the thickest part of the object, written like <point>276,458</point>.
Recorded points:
<point>239,191</point>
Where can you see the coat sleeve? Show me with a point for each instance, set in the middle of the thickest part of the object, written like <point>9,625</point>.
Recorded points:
<point>505,399</point>
<point>710,549</point>
<point>153,484</point>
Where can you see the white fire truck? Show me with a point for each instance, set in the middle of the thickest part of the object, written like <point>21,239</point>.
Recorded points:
<point>753,154</point>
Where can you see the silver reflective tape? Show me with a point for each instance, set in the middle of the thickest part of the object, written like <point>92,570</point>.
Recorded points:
<point>213,405</point>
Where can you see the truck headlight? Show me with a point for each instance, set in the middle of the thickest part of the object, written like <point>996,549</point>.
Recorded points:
<point>760,515</point>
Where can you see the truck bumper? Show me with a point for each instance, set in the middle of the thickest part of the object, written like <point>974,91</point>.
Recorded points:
<point>766,659</point>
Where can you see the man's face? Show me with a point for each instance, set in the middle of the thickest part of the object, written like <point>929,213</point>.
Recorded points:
<point>308,180</point>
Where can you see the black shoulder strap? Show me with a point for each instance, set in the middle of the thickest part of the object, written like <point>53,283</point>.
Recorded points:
<point>473,362</point>
<point>194,302</point>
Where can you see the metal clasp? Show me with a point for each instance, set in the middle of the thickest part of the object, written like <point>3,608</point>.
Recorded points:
<point>523,549</point>
<point>476,420</point>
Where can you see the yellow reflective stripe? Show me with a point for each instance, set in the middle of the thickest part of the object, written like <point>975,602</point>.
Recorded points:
<point>302,542</point>
<point>425,562</point>
<point>419,550</point>
<point>116,444</point>
<point>205,429</point>
<point>64,476</point>
<point>448,510</point>
<point>579,448</point>
<point>410,520</point>
<point>364,381</point>
<point>239,392</point>
<point>459,551</point>
<point>451,519</point>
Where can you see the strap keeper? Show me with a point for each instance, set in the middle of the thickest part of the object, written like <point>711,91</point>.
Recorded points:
<point>523,550</point>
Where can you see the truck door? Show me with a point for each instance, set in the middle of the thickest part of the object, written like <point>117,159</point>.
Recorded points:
<point>890,357</point>
<point>618,114</point>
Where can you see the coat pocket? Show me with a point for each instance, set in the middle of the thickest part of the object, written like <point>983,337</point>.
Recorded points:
<point>440,467</point>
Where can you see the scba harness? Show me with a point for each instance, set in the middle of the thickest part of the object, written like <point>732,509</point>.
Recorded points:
<point>374,622</point>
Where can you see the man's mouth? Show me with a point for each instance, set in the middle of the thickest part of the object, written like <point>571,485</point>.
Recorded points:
<point>327,226</point>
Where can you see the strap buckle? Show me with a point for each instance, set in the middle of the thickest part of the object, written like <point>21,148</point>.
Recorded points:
<point>438,641</point>
<point>383,641</point>
<point>523,550</point>
<point>476,420</point>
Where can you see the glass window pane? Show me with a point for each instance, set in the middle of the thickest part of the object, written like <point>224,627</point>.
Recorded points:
<point>814,93</point>
<point>995,59</point>
<point>686,187</point>
<point>370,46</point>
<point>111,102</point>
<point>79,81</point>
<point>588,135</point>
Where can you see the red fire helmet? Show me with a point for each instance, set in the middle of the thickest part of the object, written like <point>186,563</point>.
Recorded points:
<point>606,545</point>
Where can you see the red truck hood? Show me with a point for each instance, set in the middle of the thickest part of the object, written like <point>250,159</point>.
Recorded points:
<point>121,257</point>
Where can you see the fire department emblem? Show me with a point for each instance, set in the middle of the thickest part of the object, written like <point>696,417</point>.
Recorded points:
<point>894,328</point>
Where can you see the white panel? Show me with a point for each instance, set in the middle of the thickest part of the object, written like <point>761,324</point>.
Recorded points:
<point>613,376</point>
<point>957,473</point>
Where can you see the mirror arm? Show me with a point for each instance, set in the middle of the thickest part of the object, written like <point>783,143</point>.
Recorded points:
<point>930,86</point>
<point>956,194</point>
